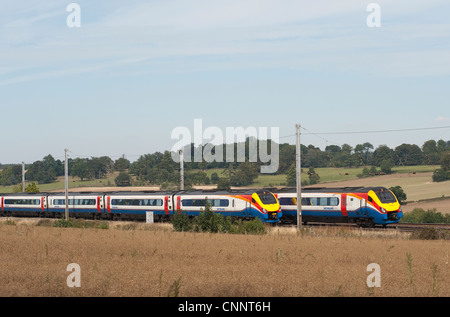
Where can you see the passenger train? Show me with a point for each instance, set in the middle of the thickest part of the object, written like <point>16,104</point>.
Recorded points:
<point>246,204</point>
<point>364,206</point>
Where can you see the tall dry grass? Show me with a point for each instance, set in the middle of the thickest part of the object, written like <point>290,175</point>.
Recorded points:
<point>152,260</point>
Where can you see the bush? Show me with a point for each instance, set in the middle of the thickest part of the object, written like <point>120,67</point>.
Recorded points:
<point>440,175</point>
<point>418,215</point>
<point>386,166</point>
<point>255,226</point>
<point>209,221</point>
<point>123,179</point>
<point>181,222</point>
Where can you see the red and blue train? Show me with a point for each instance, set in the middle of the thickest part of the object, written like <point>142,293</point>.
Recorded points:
<point>364,206</point>
<point>246,204</point>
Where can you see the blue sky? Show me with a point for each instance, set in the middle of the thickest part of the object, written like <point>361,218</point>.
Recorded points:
<point>136,70</point>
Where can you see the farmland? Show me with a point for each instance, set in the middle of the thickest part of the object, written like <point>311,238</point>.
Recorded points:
<point>416,181</point>
<point>152,260</point>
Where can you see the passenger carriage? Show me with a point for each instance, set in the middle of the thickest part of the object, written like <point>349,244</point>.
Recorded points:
<point>260,204</point>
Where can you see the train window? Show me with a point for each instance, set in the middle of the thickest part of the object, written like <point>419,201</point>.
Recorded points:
<point>136,202</point>
<point>320,201</point>
<point>22,201</point>
<point>75,202</point>
<point>386,196</point>
<point>334,201</point>
<point>287,201</point>
<point>202,202</point>
<point>267,198</point>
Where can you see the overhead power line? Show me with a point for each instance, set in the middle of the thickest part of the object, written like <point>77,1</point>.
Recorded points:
<point>380,131</point>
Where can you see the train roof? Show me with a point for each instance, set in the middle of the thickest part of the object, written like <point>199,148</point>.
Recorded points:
<point>223,191</point>
<point>136,193</point>
<point>140,193</point>
<point>329,189</point>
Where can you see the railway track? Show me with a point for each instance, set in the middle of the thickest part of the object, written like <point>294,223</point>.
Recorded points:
<point>421,226</point>
<point>404,227</point>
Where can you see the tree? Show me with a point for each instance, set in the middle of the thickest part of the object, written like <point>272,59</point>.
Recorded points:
<point>383,152</point>
<point>245,174</point>
<point>409,154</point>
<point>30,188</point>
<point>364,149</point>
<point>224,183</point>
<point>291,177</point>
<point>287,157</point>
<point>121,164</point>
<point>11,175</point>
<point>399,193</point>
<point>214,178</point>
<point>430,152</point>
<point>445,161</point>
<point>99,167</point>
<point>443,173</point>
<point>386,166</point>
<point>123,179</point>
<point>79,168</point>
<point>314,178</point>
<point>439,175</point>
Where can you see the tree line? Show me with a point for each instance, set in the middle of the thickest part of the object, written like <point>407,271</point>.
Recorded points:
<point>160,169</point>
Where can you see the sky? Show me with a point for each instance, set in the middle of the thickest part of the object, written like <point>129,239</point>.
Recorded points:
<point>134,71</point>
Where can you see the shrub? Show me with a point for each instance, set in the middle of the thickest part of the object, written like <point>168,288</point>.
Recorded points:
<point>181,222</point>
<point>255,226</point>
<point>440,175</point>
<point>209,221</point>
<point>418,215</point>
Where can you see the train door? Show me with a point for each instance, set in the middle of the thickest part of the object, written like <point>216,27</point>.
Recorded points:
<point>43,204</point>
<point>167,204</point>
<point>344,205</point>
<point>99,204</point>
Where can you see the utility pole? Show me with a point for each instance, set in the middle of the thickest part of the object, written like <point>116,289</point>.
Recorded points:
<point>66,173</point>
<point>299,178</point>
<point>181,170</point>
<point>23,177</point>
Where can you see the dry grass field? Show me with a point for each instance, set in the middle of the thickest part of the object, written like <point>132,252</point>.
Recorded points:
<point>141,260</point>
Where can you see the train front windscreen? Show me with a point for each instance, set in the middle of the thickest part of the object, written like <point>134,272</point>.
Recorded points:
<point>267,198</point>
<point>385,196</point>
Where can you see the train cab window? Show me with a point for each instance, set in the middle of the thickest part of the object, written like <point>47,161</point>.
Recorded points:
<point>386,196</point>
<point>370,199</point>
<point>267,198</point>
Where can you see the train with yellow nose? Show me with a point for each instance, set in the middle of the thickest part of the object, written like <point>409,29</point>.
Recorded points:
<point>364,206</point>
